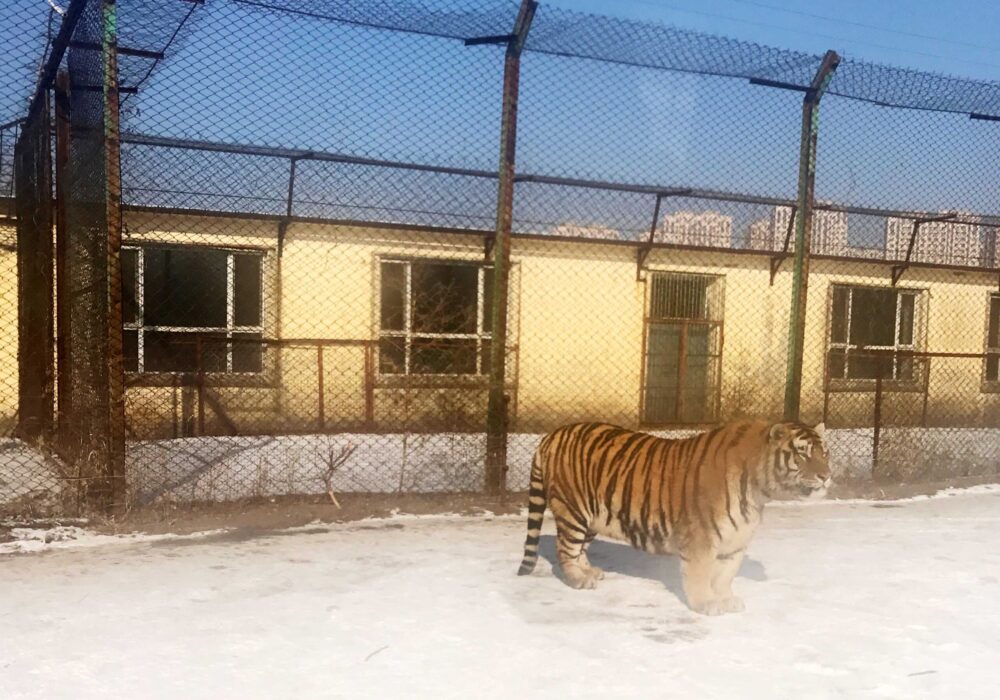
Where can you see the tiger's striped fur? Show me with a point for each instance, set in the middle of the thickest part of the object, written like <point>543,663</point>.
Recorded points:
<point>699,497</point>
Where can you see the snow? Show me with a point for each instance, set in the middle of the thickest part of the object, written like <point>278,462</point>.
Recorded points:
<point>229,468</point>
<point>893,599</point>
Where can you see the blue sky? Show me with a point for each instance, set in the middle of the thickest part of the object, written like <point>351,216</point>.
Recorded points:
<point>246,76</point>
<point>958,37</point>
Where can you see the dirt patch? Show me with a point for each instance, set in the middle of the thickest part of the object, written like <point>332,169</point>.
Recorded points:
<point>294,511</point>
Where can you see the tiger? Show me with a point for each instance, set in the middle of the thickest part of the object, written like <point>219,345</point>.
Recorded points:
<point>700,497</point>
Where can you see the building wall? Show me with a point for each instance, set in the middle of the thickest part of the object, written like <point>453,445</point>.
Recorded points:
<point>576,334</point>
<point>8,328</point>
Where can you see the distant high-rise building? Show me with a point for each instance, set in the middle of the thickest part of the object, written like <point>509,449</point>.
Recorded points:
<point>941,242</point>
<point>572,229</point>
<point>829,232</point>
<point>706,228</point>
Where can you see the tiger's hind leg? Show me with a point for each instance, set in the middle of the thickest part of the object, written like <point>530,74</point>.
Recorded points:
<point>572,538</point>
<point>596,571</point>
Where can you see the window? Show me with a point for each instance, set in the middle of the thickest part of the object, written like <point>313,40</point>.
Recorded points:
<point>683,338</point>
<point>179,303</point>
<point>865,319</point>
<point>435,318</point>
<point>992,363</point>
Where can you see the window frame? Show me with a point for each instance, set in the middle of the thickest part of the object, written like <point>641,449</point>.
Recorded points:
<point>139,326</point>
<point>989,385</point>
<point>713,319</point>
<point>407,334</point>
<point>846,382</point>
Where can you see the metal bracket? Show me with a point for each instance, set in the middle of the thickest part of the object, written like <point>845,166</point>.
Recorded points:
<point>495,39</point>
<point>897,270</point>
<point>121,50</point>
<point>642,252</point>
<point>647,247</point>
<point>100,88</point>
<point>284,223</point>
<point>779,258</point>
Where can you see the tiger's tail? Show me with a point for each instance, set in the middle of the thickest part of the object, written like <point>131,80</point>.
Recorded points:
<point>536,513</point>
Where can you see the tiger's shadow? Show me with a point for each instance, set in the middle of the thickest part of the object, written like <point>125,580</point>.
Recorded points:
<point>618,558</point>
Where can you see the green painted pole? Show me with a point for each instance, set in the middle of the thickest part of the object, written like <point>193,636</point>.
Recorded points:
<point>803,231</point>
<point>496,411</point>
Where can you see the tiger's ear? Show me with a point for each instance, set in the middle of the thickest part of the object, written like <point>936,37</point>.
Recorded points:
<point>778,432</point>
<point>820,431</point>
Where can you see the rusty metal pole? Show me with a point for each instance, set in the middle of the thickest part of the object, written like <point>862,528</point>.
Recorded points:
<point>112,171</point>
<point>496,418</point>
<point>877,420</point>
<point>803,231</point>
<point>64,407</point>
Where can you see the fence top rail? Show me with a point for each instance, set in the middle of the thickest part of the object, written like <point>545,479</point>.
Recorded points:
<point>984,220</point>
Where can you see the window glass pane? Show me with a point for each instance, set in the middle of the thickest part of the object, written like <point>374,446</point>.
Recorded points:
<point>838,315</point>
<point>444,298</point>
<point>178,352</point>
<point>868,366</point>
<point>391,356</point>
<point>906,310</point>
<point>993,340</point>
<point>993,368</point>
<point>838,363</point>
<point>873,316</point>
<point>248,352</point>
<point>905,368</point>
<point>393,281</point>
<point>185,287</point>
<point>129,258</point>
<point>443,356</point>
<point>488,300</point>
<point>130,350</point>
<point>247,290</point>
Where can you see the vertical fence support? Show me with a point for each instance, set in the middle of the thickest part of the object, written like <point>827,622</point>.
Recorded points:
<point>64,409</point>
<point>803,231</point>
<point>95,438</point>
<point>35,333</point>
<point>320,388</point>
<point>113,215</point>
<point>877,420</point>
<point>496,413</point>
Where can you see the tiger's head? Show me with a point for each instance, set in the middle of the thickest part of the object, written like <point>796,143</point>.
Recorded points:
<point>800,462</point>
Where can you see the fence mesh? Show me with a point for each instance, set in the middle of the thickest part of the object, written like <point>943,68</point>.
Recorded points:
<point>309,217</point>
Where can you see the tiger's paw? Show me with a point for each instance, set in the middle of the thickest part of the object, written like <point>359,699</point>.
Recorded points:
<point>585,578</point>
<point>720,606</point>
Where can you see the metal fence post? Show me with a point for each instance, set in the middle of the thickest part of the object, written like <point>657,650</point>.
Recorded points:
<point>112,172</point>
<point>35,347</point>
<point>496,418</point>
<point>803,231</point>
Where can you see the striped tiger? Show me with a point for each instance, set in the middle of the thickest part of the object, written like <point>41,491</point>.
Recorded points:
<point>699,497</point>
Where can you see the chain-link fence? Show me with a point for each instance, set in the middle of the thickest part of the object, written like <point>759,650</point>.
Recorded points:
<point>384,247</point>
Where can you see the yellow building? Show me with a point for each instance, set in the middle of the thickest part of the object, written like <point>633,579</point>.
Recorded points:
<point>385,329</point>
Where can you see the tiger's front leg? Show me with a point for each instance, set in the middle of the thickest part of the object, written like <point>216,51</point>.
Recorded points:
<point>707,582</point>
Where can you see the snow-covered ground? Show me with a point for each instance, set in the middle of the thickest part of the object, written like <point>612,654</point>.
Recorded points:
<point>844,600</point>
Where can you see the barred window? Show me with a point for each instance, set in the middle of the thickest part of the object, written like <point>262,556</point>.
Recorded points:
<point>867,321</point>
<point>435,317</point>
<point>192,309</point>
<point>683,349</point>
<point>992,363</point>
